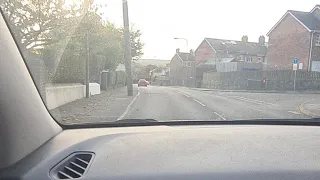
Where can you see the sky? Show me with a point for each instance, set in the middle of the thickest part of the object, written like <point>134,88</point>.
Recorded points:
<point>160,21</point>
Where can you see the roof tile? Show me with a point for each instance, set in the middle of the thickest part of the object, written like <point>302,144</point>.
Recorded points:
<point>307,19</point>
<point>239,47</point>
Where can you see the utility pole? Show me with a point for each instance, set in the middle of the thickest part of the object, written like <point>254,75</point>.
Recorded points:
<point>87,80</point>
<point>87,64</point>
<point>127,47</point>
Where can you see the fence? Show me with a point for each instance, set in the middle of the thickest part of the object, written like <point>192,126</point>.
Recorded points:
<point>275,80</point>
<point>112,79</point>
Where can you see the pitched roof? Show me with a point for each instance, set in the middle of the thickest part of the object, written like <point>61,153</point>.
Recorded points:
<point>239,47</point>
<point>316,7</point>
<point>306,18</point>
<point>186,56</point>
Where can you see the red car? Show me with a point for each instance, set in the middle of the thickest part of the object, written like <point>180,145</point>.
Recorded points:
<point>143,82</point>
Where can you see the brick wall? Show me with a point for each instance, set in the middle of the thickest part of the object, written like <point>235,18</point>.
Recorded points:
<point>287,41</point>
<point>181,74</point>
<point>204,53</point>
<point>175,66</point>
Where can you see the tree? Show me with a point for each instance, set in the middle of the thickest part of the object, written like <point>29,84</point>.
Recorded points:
<point>41,22</point>
<point>56,30</point>
<point>244,38</point>
<point>136,44</point>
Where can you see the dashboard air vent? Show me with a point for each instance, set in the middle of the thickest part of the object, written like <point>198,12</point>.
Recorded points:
<point>73,167</point>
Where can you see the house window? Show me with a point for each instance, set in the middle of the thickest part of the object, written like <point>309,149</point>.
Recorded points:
<point>248,59</point>
<point>240,58</point>
<point>189,64</point>
<point>259,59</point>
<point>317,40</point>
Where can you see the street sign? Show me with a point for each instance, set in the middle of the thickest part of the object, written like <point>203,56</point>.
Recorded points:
<point>295,60</point>
<point>295,67</point>
<point>300,65</point>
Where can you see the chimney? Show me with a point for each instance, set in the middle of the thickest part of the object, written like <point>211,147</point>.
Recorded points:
<point>177,50</point>
<point>262,40</point>
<point>191,55</point>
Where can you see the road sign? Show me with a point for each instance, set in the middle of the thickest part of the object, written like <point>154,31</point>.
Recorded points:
<point>295,67</point>
<point>295,60</point>
<point>300,65</point>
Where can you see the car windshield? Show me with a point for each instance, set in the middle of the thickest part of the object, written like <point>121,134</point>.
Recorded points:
<point>198,60</point>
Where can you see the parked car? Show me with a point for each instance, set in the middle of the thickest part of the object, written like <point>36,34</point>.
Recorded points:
<point>143,82</point>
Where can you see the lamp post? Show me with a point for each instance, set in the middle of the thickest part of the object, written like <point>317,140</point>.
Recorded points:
<point>183,39</point>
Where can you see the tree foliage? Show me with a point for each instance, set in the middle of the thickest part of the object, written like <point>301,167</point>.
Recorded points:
<point>57,29</point>
<point>41,22</point>
<point>136,44</point>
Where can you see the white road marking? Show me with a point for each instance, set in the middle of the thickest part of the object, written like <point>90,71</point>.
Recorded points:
<point>183,94</point>
<point>253,101</point>
<point>129,106</point>
<point>220,116</point>
<point>243,99</point>
<point>186,95</point>
<point>294,112</point>
<point>199,102</point>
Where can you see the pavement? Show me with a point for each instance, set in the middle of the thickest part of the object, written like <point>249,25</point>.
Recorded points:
<point>179,103</point>
<point>105,107</point>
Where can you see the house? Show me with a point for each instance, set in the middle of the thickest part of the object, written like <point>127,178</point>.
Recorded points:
<point>230,50</point>
<point>224,55</point>
<point>141,68</point>
<point>182,68</point>
<point>155,62</point>
<point>295,35</point>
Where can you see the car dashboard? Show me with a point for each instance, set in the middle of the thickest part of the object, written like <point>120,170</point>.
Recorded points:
<point>176,152</point>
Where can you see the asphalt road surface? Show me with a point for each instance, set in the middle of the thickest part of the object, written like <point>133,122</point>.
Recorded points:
<point>180,103</point>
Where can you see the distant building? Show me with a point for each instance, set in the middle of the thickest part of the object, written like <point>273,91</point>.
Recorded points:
<point>218,50</point>
<point>155,62</point>
<point>224,55</point>
<point>182,68</point>
<point>141,68</point>
<point>121,67</point>
<point>295,35</point>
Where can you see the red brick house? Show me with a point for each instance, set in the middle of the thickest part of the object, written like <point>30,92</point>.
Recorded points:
<point>296,34</point>
<point>217,49</point>
<point>214,51</point>
<point>182,68</point>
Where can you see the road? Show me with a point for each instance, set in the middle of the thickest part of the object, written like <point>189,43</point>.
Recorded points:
<point>180,103</point>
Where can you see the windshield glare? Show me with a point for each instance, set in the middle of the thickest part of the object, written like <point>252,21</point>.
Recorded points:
<point>152,61</point>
